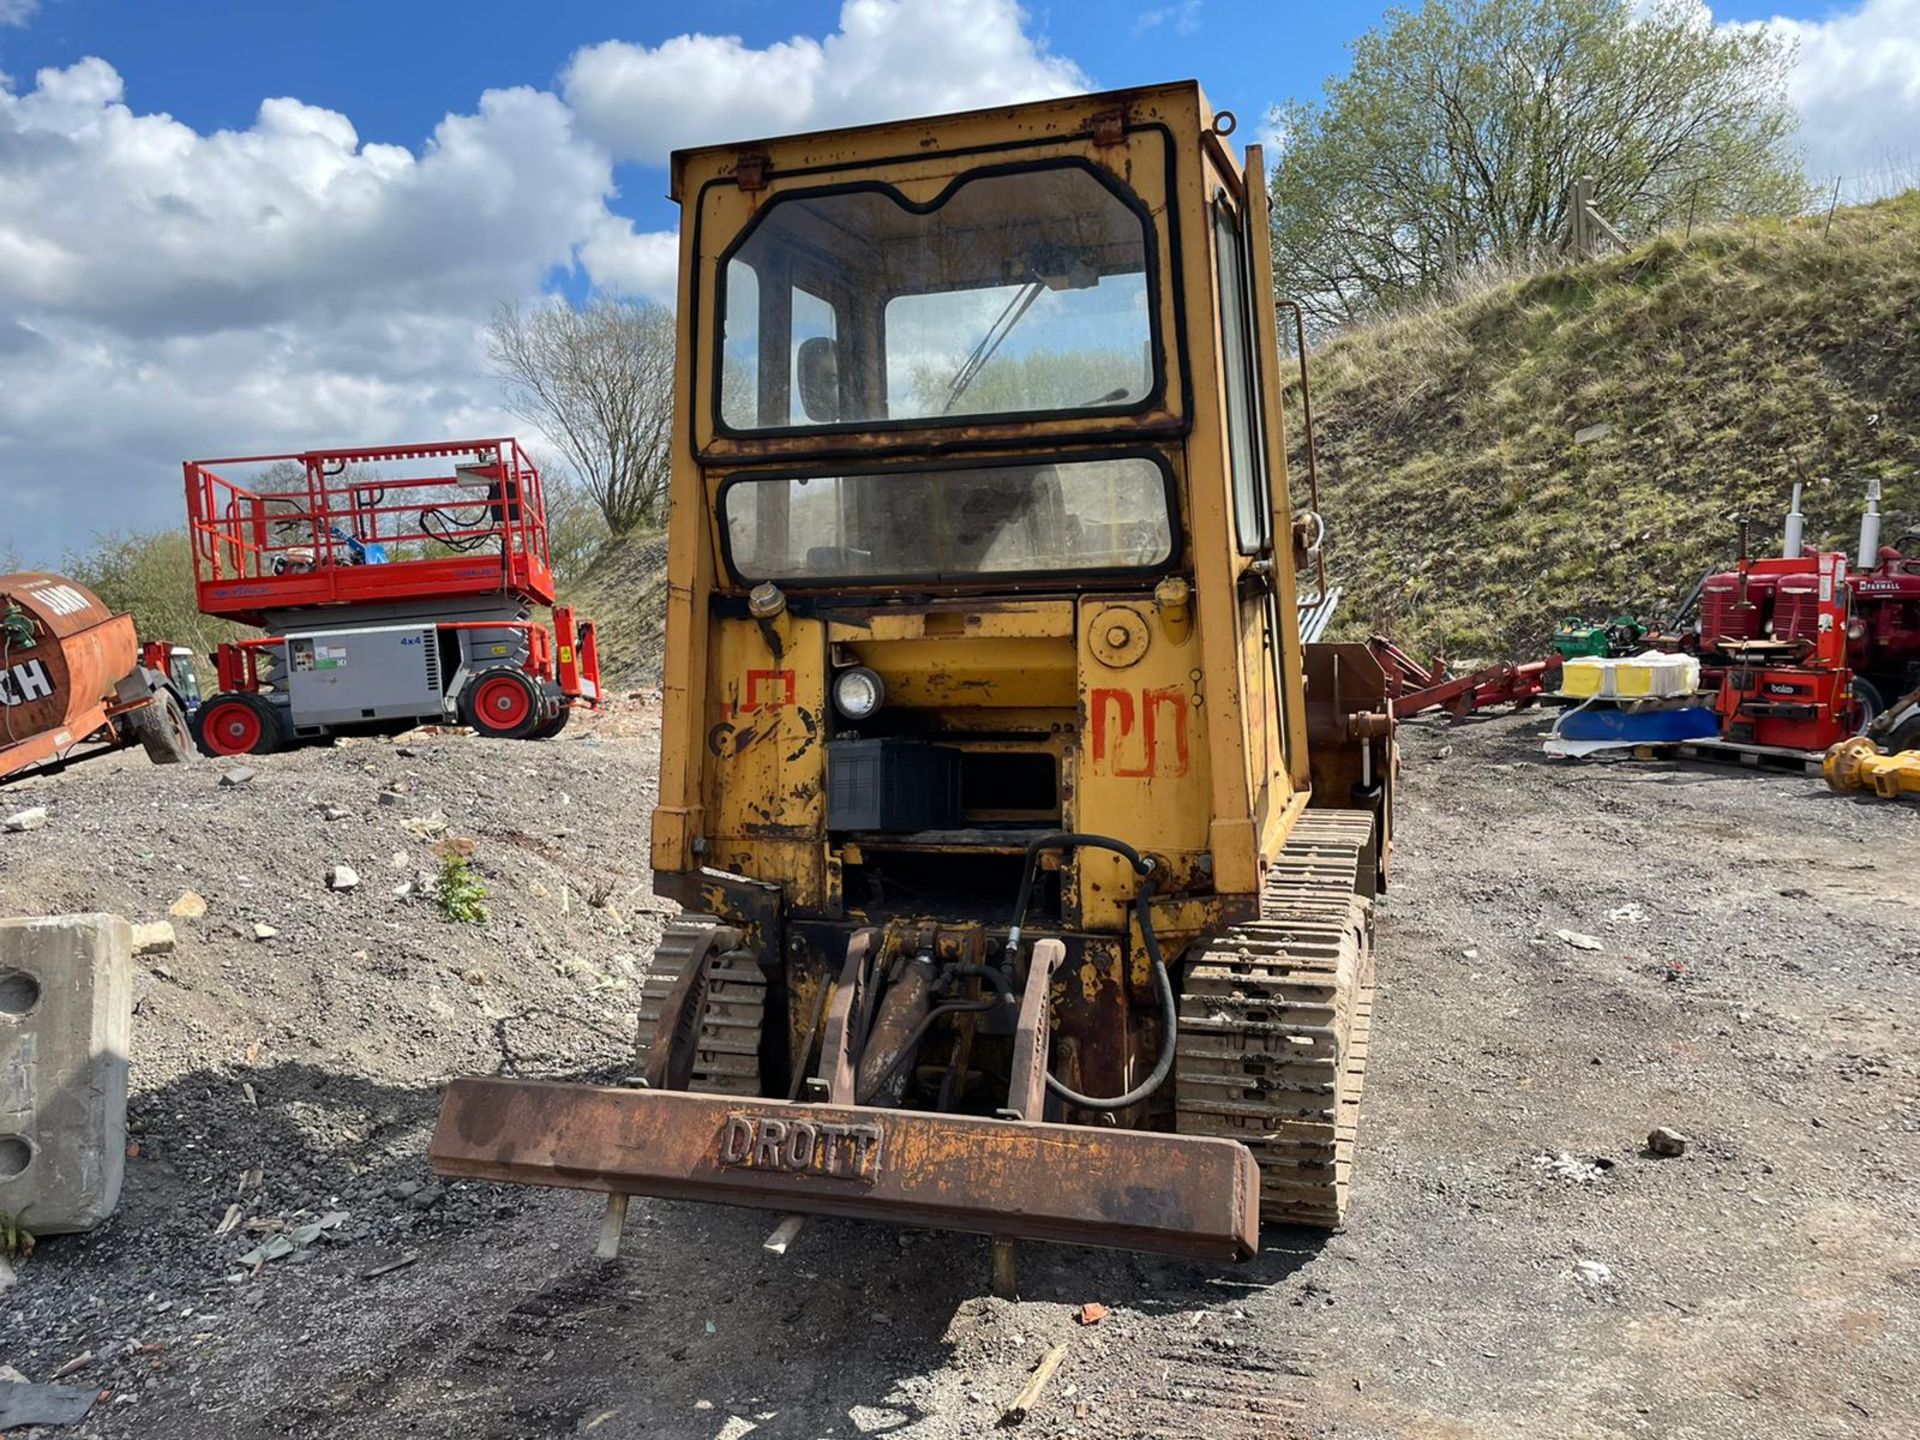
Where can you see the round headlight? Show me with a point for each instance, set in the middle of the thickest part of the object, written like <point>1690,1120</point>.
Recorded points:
<point>857,693</point>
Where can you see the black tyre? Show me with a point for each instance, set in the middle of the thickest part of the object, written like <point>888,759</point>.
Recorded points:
<point>1904,736</point>
<point>502,703</point>
<point>163,730</point>
<point>1867,696</point>
<point>238,722</point>
<point>550,728</point>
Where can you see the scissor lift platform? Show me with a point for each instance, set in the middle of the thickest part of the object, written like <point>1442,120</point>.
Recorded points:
<point>374,526</point>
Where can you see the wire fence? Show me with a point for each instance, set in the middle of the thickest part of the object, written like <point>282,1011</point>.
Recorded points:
<point>1863,189</point>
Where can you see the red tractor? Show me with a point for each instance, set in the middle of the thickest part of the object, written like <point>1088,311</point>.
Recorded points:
<point>397,586</point>
<point>1850,635</point>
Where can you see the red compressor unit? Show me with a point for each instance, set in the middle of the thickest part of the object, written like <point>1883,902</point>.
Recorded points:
<point>1776,598</point>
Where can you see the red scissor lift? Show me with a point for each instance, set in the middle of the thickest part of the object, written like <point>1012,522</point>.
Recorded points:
<point>397,585</point>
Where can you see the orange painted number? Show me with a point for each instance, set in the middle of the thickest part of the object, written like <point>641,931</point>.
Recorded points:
<point>768,690</point>
<point>1139,736</point>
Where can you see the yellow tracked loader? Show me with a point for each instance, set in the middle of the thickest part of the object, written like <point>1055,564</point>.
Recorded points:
<point>1028,855</point>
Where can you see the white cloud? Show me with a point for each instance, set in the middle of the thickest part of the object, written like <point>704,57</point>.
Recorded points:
<point>1857,87</point>
<point>628,261</point>
<point>166,293</point>
<point>888,59</point>
<point>1183,18</point>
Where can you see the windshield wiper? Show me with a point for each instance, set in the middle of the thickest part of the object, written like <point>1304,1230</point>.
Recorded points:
<point>997,332</point>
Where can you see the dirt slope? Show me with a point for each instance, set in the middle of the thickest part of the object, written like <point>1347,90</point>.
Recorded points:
<point>1756,984</point>
<point>1467,512</point>
<point>625,591</point>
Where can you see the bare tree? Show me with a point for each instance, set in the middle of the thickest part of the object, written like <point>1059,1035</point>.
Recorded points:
<point>598,382</point>
<point>576,527</point>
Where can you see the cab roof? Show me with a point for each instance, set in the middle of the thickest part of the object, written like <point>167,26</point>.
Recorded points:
<point>934,133</point>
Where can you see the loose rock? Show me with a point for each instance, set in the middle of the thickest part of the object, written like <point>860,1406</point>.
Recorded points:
<point>23,820</point>
<point>342,877</point>
<point>154,939</point>
<point>1665,1141</point>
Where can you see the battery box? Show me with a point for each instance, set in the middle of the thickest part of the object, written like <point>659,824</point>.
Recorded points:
<point>892,784</point>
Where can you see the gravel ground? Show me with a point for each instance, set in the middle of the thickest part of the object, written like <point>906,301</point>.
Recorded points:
<point>1516,1264</point>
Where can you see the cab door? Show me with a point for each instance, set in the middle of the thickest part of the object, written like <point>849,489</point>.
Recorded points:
<point>1289,668</point>
<point>1259,639</point>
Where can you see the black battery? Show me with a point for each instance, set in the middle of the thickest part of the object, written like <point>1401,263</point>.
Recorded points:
<point>892,784</point>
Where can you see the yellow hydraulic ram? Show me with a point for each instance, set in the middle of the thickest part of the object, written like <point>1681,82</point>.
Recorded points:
<point>1857,764</point>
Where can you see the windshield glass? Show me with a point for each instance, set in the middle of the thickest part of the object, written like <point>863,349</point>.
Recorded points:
<point>1016,293</point>
<point>951,524</point>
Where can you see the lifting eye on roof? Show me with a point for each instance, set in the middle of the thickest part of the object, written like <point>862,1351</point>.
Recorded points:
<point>1225,123</point>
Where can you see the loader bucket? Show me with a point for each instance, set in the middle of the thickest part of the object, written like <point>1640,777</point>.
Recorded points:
<point>1188,1196</point>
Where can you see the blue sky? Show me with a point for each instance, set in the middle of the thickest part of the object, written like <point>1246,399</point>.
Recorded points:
<point>397,68</point>
<point>230,226</point>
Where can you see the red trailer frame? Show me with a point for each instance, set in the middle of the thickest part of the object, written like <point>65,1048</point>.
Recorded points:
<point>1414,687</point>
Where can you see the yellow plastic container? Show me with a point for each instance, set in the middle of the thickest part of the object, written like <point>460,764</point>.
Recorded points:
<point>1632,679</point>
<point>1583,678</point>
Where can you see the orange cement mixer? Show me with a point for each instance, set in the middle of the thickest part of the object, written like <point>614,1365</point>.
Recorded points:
<point>72,681</point>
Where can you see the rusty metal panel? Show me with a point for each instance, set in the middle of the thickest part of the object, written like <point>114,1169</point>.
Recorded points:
<point>1349,726</point>
<point>1145,756</point>
<point>81,650</point>
<point>765,750</point>
<point>1190,1196</point>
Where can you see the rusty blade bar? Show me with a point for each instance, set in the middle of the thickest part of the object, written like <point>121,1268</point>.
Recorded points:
<point>1126,1189</point>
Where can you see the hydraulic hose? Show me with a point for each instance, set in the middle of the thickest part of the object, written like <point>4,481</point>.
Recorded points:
<point>1163,983</point>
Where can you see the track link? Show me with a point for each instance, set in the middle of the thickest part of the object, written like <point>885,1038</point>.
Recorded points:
<point>726,1056</point>
<point>1275,1020</point>
<point>724,1025</point>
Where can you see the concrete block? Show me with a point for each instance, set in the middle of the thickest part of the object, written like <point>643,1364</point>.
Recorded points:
<point>66,1009</point>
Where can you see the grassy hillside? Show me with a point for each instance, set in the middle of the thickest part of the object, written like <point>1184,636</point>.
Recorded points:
<point>1466,516</point>
<point>625,591</point>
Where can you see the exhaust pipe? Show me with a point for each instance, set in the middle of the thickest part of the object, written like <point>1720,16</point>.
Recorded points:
<point>1870,528</point>
<point>1796,527</point>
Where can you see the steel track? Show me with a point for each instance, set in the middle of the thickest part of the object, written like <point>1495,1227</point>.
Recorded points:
<point>1275,1019</point>
<point>730,1004</point>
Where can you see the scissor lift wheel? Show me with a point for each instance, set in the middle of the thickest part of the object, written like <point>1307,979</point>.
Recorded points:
<point>238,723</point>
<point>503,703</point>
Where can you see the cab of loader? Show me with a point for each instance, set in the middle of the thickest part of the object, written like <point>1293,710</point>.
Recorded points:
<point>982,521</point>
<point>989,741</point>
